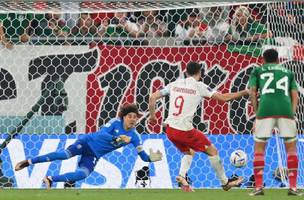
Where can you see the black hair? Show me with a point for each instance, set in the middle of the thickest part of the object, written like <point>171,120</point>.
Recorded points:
<point>193,68</point>
<point>271,56</point>
<point>128,108</point>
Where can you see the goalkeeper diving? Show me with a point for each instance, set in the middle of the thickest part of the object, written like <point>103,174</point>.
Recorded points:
<point>117,133</point>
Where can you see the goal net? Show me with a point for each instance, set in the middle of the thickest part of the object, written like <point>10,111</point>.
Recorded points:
<point>67,66</point>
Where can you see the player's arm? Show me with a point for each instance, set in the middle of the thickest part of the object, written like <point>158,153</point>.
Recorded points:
<point>152,157</point>
<point>116,141</point>
<point>106,131</point>
<point>294,100</point>
<point>294,95</point>
<point>253,91</point>
<point>229,96</point>
<point>152,102</point>
<point>106,135</point>
<point>121,139</point>
<point>254,98</point>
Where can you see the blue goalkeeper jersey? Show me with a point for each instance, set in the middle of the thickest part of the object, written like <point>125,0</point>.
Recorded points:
<point>103,141</point>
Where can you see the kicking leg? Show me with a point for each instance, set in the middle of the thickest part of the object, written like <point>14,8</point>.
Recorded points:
<point>217,165</point>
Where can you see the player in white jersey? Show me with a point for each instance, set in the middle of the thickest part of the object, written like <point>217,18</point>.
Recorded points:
<point>185,96</point>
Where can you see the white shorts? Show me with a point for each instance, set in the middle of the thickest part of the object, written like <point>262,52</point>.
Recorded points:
<point>264,127</point>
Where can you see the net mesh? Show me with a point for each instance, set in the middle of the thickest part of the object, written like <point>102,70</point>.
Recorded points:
<point>66,67</point>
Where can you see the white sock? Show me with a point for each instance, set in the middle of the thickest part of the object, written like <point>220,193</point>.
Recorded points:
<point>217,165</point>
<point>185,165</point>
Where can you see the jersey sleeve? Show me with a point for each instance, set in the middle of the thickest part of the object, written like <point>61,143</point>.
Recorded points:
<point>253,79</point>
<point>136,141</point>
<point>166,90</point>
<point>205,91</point>
<point>109,126</point>
<point>293,82</point>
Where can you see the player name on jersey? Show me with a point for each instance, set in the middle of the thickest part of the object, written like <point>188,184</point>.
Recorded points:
<point>184,90</point>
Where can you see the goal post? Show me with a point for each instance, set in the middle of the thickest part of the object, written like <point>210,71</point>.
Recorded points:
<point>105,54</point>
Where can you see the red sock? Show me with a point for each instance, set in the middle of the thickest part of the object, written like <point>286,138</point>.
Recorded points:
<point>258,169</point>
<point>292,164</point>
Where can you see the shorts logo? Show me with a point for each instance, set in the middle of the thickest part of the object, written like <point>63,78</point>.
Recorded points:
<point>78,146</point>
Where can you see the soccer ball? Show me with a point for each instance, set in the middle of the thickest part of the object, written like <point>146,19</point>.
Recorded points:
<point>238,158</point>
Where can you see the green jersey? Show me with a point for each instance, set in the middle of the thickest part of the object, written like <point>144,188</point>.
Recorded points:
<point>274,83</point>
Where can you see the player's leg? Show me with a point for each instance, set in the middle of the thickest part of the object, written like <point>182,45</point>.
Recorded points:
<point>177,138</point>
<point>218,167</point>
<point>186,162</point>
<point>184,168</point>
<point>85,167</point>
<point>263,131</point>
<point>72,150</point>
<point>288,132</point>
<point>258,167</point>
<point>199,142</point>
<point>292,164</point>
<point>216,164</point>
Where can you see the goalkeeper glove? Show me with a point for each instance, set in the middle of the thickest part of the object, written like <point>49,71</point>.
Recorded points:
<point>155,156</point>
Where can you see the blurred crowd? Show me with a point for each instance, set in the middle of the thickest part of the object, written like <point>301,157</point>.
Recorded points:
<point>249,24</point>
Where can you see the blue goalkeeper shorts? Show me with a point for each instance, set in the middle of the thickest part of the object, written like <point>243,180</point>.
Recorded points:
<point>88,159</point>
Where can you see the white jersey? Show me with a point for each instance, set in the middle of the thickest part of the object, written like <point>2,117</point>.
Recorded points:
<point>185,96</point>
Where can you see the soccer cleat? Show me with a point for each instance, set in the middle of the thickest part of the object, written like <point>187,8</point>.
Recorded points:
<point>232,182</point>
<point>184,184</point>
<point>48,182</point>
<point>22,164</point>
<point>257,192</point>
<point>295,192</point>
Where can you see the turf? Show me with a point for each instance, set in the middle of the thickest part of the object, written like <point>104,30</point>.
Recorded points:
<point>137,194</point>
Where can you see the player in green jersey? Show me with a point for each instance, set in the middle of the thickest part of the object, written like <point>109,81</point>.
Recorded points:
<point>276,108</point>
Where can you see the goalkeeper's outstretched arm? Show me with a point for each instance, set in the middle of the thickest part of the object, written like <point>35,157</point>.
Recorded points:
<point>152,157</point>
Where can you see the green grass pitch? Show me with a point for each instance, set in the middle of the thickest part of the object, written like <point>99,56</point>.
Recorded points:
<point>138,194</point>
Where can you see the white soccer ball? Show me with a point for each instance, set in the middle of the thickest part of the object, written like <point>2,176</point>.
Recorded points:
<point>238,158</point>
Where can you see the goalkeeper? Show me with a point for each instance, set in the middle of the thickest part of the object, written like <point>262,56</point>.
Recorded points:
<point>117,133</point>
